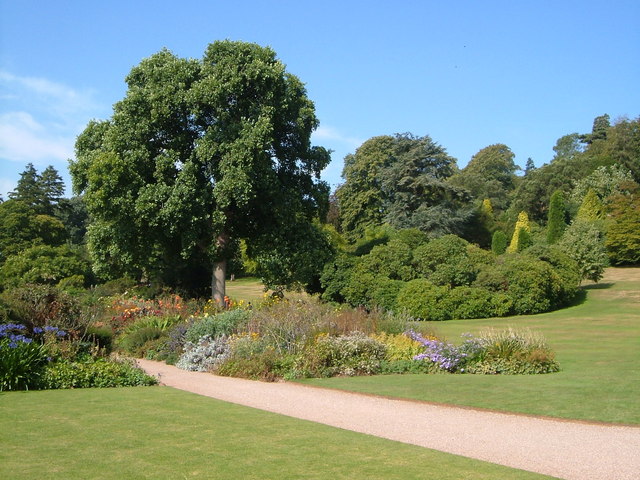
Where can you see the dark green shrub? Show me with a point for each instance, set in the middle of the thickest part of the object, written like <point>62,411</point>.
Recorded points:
<point>532,285</point>
<point>99,374</point>
<point>450,261</point>
<point>423,300</point>
<point>135,341</point>
<point>115,287</point>
<point>224,323</point>
<point>384,293</point>
<point>499,243</point>
<point>102,337</point>
<point>335,277</point>
<point>389,367</point>
<point>393,260</point>
<point>437,252</point>
<point>470,302</point>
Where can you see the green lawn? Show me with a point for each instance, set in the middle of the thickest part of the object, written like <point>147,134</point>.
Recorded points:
<point>597,343</point>
<point>248,289</point>
<point>162,433</point>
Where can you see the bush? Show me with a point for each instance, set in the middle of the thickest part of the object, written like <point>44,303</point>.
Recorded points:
<point>398,347</point>
<point>423,300</point>
<point>353,354</point>
<point>266,365</point>
<point>100,373</point>
<point>204,355</point>
<point>102,337</point>
<point>40,305</point>
<point>513,352</point>
<point>134,342</point>
<point>470,302</point>
<point>532,285</point>
<point>21,359</point>
<point>289,326</point>
<point>224,323</point>
<point>492,352</point>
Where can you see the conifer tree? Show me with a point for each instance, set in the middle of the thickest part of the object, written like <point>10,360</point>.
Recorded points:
<point>591,208</point>
<point>556,224</point>
<point>499,243</point>
<point>521,224</point>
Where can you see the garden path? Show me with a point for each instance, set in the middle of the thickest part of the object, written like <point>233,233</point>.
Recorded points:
<point>564,449</point>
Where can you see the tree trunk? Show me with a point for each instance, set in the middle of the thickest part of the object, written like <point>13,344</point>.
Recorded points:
<point>220,270</point>
<point>218,281</point>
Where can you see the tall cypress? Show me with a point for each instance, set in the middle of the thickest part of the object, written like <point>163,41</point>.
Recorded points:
<point>556,219</point>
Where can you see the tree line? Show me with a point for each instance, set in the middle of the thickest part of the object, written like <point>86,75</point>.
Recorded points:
<point>206,168</point>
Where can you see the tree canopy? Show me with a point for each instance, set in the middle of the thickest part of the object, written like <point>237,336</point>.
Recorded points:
<point>200,154</point>
<point>401,180</point>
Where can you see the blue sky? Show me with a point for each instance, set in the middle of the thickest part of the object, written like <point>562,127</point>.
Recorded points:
<point>467,73</point>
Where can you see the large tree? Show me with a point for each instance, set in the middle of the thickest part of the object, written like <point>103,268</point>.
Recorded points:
<point>401,180</point>
<point>198,155</point>
<point>491,173</point>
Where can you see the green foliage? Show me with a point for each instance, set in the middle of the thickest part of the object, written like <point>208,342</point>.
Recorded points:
<point>512,352</point>
<point>44,264</point>
<point>473,302</point>
<point>449,261</point>
<point>556,220</point>
<point>21,364</point>
<point>499,243</point>
<point>401,180</point>
<point>198,155</point>
<point>102,337</point>
<point>591,208</point>
<point>532,285</point>
<point>134,342</point>
<point>423,300</point>
<point>100,373</point>
<point>224,323</point>
<point>623,233</point>
<point>40,192</point>
<point>490,174</point>
<point>21,227</point>
<point>603,181</point>
<point>585,244</point>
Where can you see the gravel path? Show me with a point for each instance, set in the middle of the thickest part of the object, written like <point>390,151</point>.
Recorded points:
<point>564,449</point>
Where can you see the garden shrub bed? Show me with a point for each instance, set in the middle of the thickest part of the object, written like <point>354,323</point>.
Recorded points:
<point>305,339</point>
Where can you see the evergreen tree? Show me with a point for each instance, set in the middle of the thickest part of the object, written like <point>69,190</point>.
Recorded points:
<point>556,222</point>
<point>584,243</point>
<point>499,243</point>
<point>521,224</point>
<point>591,208</point>
<point>28,189</point>
<point>51,188</point>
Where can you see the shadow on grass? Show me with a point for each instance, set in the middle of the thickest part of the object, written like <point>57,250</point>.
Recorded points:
<point>579,299</point>
<point>598,286</point>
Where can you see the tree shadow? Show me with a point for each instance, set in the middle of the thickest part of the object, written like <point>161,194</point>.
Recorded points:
<point>598,286</point>
<point>579,299</point>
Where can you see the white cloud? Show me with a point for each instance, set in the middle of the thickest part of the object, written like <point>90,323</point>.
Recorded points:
<point>23,140</point>
<point>330,134</point>
<point>45,95</point>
